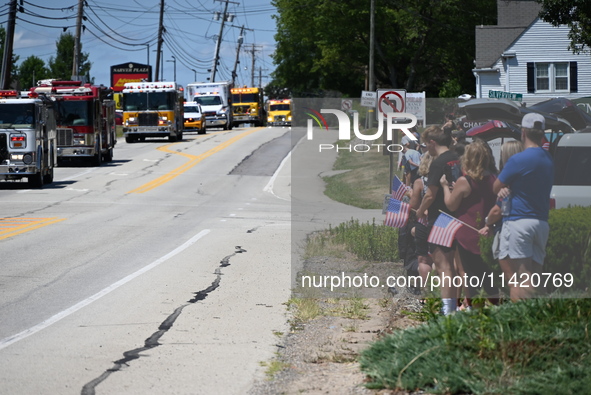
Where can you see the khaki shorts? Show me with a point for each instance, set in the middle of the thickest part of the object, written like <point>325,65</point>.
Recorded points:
<point>524,238</point>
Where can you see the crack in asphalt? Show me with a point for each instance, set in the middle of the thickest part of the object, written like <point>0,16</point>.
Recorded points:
<point>152,341</point>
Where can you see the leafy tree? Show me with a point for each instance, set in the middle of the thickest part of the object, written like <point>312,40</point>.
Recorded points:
<point>420,44</point>
<point>31,70</point>
<point>60,66</point>
<point>576,14</point>
<point>13,70</point>
<point>276,92</point>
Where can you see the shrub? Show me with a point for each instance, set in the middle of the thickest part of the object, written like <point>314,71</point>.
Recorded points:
<point>568,249</point>
<point>569,245</point>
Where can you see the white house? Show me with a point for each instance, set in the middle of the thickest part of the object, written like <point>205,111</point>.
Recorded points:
<point>525,58</point>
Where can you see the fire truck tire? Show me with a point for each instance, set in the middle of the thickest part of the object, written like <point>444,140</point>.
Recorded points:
<point>172,138</point>
<point>109,155</point>
<point>129,139</point>
<point>48,178</point>
<point>36,180</point>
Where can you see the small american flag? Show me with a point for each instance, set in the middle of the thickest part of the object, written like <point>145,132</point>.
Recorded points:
<point>398,188</point>
<point>444,229</point>
<point>423,221</point>
<point>397,214</point>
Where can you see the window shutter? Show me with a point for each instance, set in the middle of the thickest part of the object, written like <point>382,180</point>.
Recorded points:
<point>531,77</point>
<point>574,85</point>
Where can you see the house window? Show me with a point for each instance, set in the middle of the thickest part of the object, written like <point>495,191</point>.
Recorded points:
<point>552,77</point>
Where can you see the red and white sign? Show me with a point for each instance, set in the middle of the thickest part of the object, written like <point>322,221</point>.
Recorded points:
<point>346,104</point>
<point>390,100</point>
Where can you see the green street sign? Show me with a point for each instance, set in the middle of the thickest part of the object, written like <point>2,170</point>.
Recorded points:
<point>505,95</point>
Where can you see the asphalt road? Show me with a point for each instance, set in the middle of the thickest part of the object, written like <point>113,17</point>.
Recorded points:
<point>165,271</point>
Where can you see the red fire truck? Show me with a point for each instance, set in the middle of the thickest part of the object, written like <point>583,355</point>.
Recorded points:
<point>86,119</point>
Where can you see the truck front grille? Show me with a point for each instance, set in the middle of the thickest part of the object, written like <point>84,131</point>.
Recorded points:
<point>148,119</point>
<point>65,137</point>
<point>279,118</point>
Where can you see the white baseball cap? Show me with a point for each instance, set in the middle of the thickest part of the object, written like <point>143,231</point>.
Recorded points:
<point>533,121</point>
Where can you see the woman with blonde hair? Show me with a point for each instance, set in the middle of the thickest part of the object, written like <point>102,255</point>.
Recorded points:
<point>420,230</point>
<point>471,199</point>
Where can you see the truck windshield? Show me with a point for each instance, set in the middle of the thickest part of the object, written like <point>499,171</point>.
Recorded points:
<point>244,98</point>
<point>208,100</point>
<point>17,115</point>
<point>192,109</point>
<point>142,101</point>
<point>280,107</point>
<point>75,113</point>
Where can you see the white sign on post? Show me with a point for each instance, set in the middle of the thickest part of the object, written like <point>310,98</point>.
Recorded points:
<point>368,98</point>
<point>416,104</point>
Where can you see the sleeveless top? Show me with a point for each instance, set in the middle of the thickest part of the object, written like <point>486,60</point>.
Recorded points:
<point>473,210</point>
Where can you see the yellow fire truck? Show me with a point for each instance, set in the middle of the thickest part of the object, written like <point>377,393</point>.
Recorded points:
<point>247,106</point>
<point>279,112</point>
<point>152,109</point>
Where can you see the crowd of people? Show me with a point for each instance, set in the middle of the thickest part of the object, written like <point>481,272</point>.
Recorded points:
<point>446,174</point>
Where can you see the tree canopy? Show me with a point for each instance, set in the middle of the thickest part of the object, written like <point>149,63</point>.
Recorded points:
<point>60,66</point>
<point>576,14</point>
<point>31,70</point>
<point>421,45</point>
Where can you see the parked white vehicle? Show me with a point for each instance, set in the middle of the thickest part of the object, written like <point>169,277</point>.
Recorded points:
<point>572,171</point>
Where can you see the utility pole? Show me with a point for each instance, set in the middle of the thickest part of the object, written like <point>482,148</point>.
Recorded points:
<point>7,59</point>
<point>261,76</point>
<point>174,65</point>
<point>160,40</point>
<point>370,72</point>
<point>76,62</point>
<point>253,50</point>
<point>240,40</point>
<point>219,40</point>
<point>372,43</point>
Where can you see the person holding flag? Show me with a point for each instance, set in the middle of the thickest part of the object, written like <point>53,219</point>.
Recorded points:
<point>471,199</point>
<point>445,162</point>
<point>420,230</point>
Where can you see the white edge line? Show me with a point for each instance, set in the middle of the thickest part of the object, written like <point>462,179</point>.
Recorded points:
<point>270,184</point>
<point>65,313</point>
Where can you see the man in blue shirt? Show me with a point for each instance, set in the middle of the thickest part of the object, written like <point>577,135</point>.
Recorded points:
<point>529,176</point>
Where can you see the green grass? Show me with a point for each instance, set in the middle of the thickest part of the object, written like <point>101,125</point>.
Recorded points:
<point>367,241</point>
<point>537,346</point>
<point>366,182</point>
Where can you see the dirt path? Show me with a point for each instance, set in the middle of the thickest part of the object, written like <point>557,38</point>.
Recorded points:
<point>320,356</point>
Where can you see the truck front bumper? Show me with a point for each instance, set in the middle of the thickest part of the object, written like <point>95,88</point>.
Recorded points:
<point>75,152</point>
<point>148,131</point>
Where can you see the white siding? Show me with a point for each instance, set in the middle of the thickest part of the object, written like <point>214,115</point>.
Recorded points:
<point>542,42</point>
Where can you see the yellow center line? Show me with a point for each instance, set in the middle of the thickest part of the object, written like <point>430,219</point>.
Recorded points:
<point>25,225</point>
<point>193,160</point>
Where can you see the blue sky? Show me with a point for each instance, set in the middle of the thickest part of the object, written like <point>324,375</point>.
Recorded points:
<point>117,32</point>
